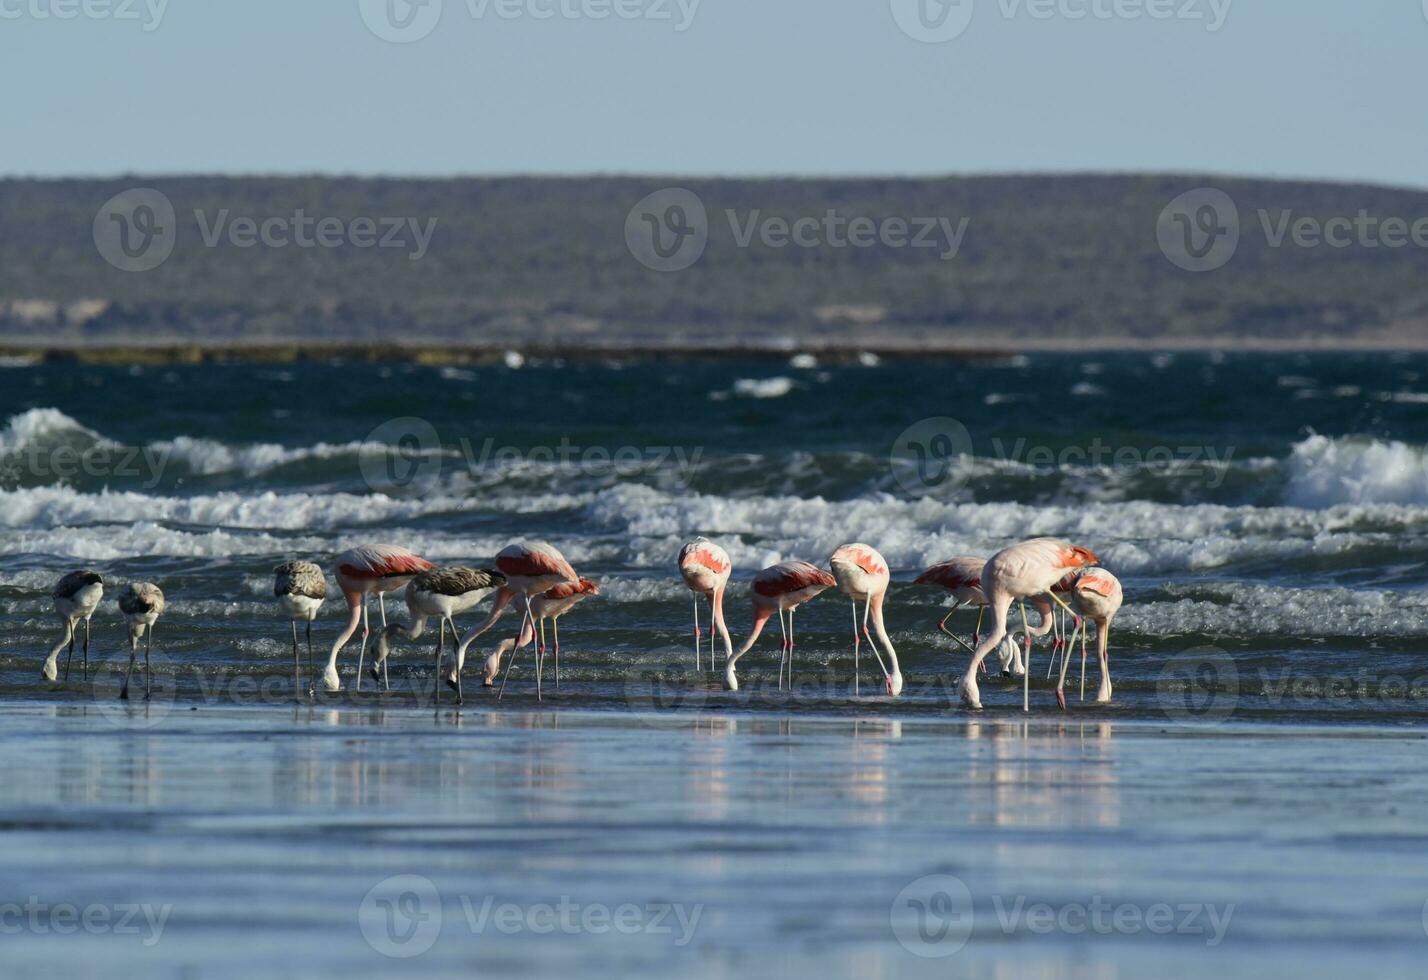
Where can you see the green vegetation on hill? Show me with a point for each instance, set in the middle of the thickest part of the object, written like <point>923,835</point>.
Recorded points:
<point>540,259</point>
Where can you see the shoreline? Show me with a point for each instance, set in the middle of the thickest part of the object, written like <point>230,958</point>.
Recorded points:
<point>435,352</point>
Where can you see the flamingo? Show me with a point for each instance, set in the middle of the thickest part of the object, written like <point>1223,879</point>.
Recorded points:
<point>142,603</point>
<point>530,568</point>
<point>300,588</point>
<point>1097,595</point>
<point>862,574</point>
<point>76,597</point>
<point>1021,571</point>
<point>705,567</point>
<point>439,592</point>
<point>550,604</point>
<point>784,586</point>
<point>368,568</point>
<point>962,577</point>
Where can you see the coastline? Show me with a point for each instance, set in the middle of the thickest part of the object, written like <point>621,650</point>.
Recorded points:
<point>437,352</point>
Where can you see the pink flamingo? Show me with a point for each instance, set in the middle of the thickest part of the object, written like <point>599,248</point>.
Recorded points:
<point>530,568</point>
<point>784,586</point>
<point>705,567</point>
<point>1021,571</point>
<point>862,574</point>
<point>1096,595</point>
<point>360,572</point>
<point>962,577</point>
<point>550,604</point>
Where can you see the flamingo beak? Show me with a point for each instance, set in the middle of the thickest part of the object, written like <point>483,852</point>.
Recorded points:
<point>1061,698</point>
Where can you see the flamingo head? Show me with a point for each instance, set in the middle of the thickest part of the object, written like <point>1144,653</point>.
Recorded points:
<point>490,670</point>
<point>1079,557</point>
<point>894,684</point>
<point>731,682</point>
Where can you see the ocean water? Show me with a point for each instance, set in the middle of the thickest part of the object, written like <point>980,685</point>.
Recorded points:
<point>1268,515</point>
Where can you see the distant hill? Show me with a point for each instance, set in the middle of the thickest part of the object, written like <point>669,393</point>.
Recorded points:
<point>553,260</point>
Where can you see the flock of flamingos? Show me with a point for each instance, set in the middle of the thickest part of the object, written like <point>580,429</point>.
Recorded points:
<point>1040,571</point>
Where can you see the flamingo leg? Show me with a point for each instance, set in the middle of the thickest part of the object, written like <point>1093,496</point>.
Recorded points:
<point>783,647</point>
<point>555,631</point>
<point>857,644</point>
<point>526,617</point>
<point>148,677</point>
<point>382,605</point>
<point>542,645</point>
<point>790,648</point>
<point>943,627</point>
<point>310,674</point>
<point>133,654</point>
<point>297,666</point>
<point>440,651</point>
<point>86,648</point>
<point>362,651</point>
<point>1083,659</point>
<point>1066,662</point>
<point>977,630</point>
<point>696,631</point>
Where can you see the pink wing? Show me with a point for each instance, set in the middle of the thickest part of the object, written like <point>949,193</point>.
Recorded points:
<point>381,561</point>
<point>790,576</point>
<point>864,557</point>
<point>955,573</point>
<point>534,561</point>
<point>566,589</point>
<point>699,553</point>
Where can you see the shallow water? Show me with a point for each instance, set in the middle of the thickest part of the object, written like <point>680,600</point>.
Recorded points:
<point>317,841</point>
<point>1263,750</point>
<point>1267,513</point>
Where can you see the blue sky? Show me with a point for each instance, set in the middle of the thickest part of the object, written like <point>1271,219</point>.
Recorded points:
<point>1310,88</point>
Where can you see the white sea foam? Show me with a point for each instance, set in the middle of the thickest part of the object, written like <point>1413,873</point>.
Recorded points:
<point>45,426</point>
<point>1324,472</point>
